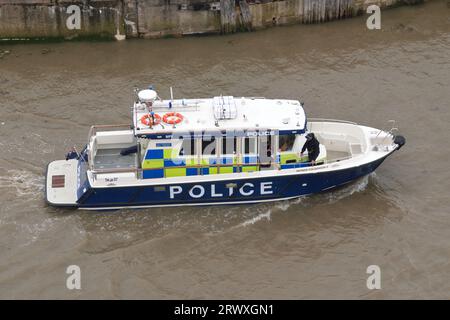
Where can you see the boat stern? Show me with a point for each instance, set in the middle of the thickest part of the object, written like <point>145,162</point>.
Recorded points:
<point>61,183</point>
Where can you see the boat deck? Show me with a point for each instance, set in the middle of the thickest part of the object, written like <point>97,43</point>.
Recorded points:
<point>112,159</point>
<point>336,155</point>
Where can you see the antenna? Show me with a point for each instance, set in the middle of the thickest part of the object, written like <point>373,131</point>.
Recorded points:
<point>171,98</point>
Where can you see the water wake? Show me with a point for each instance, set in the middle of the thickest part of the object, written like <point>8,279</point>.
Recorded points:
<point>24,183</point>
<point>261,216</point>
<point>348,190</point>
<point>305,201</point>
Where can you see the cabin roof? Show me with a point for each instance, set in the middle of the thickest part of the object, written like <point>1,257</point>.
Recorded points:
<point>224,113</point>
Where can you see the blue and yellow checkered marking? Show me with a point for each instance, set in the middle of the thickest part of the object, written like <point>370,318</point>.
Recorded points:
<point>159,164</point>
<point>192,171</point>
<point>174,163</point>
<point>158,154</point>
<point>154,154</point>
<point>152,174</point>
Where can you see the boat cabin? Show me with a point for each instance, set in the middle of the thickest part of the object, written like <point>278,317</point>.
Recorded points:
<point>189,137</point>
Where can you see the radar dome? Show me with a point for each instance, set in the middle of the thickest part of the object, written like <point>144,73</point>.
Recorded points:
<point>147,95</point>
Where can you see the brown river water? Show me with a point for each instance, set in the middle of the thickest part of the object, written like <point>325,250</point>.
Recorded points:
<point>314,247</point>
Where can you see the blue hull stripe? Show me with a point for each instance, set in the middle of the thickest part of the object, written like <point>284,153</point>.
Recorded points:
<point>262,189</point>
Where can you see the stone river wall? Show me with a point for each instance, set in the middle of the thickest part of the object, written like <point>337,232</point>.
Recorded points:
<point>120,19</point>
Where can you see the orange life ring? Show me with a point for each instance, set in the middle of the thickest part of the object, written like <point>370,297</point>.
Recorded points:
<point>172,118</point>
<point>149,121</point>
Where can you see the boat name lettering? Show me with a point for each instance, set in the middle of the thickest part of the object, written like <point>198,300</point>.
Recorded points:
<point>199,191</point>
<point>260,133</point>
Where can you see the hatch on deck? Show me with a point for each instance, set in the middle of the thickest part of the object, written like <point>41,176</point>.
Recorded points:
<point>224,108</point>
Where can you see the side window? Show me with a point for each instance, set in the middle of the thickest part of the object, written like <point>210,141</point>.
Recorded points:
<point>286,142</point>
<point>229,145</point>
<point>249,145</point>
<point>187,147</point>
<point>209,146</point>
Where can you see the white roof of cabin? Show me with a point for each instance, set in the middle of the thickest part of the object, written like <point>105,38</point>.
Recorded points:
<point>229,113</point>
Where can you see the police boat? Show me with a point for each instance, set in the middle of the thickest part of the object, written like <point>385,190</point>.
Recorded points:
<point>214,151</point>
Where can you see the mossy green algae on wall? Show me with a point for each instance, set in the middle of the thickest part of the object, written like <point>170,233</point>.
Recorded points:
<point>48,19</point>
<point>107,19</point>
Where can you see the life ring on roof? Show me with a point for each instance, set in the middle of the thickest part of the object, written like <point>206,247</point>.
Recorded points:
<point>172,118</point>
<point>150,120</point>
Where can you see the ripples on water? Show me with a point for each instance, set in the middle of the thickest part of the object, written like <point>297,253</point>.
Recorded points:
<point>110,231</point>
<point>23,184</point>
<point>315,246</point>
<point>23,190</point>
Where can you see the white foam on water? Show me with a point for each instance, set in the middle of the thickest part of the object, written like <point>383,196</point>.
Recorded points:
<point>24,182</point>
<point>331,197</point>
<point>259,213</point>
<point>354,187</point>
<point>283,205</point>
<point>261,216</point>
<point>286,204</point>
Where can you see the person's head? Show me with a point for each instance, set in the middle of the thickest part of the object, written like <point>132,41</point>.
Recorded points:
<point>309,136</point>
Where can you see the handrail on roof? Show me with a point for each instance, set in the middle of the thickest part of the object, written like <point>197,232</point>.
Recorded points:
<point>331,120</point>
<point>94,129</point>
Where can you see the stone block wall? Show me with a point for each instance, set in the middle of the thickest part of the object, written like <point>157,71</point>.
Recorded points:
<point>44,19</point>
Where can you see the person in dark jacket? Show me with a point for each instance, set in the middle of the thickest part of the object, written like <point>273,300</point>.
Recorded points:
<point>312,145</point>
<point>73,154</point>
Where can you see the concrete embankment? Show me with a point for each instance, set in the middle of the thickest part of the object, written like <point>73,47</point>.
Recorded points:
<point>68,19</point>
